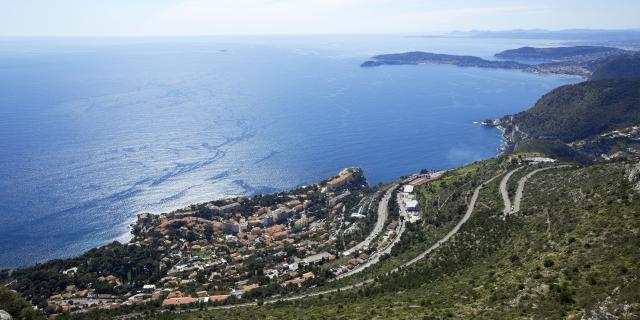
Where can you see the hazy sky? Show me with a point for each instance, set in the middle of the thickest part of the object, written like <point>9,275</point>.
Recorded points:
<point>215,17</point>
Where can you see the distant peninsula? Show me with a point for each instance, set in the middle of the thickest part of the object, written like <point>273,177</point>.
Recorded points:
<point>559,53</point>
<point>419,57</point>
<point>579,61</point>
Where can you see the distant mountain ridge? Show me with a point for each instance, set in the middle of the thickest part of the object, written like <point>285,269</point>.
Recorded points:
<point>568,34</point>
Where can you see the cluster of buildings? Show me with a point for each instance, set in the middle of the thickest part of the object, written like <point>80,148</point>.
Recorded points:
<point>227,248</point>
<point>349,265</point>
<point>408,203</point>
<point>407,200</point>
<point>224,250</point>
<point>73,299</point>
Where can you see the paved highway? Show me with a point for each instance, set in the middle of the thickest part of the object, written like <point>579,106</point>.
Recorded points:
<point>382,216</point>
<point>467,215</point>
<point>505,193</point>
<point>519,192</point>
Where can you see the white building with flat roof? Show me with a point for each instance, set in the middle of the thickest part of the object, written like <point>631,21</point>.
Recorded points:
<point>411,205</point>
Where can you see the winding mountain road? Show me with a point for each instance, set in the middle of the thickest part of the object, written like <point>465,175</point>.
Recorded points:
<point>452,232</point>
<point>375,258</point>
<point>505,194</point>
<point>382,216</point>
<point>467,215</point>
<point>519,192</point>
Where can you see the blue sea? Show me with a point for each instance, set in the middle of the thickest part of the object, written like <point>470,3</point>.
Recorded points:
<point>94,131</point>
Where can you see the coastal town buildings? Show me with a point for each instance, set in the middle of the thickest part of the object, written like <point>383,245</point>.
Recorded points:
<point>244,247</point>
<point>231,248</point>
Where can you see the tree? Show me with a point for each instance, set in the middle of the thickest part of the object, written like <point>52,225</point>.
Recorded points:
<point>17,306</point>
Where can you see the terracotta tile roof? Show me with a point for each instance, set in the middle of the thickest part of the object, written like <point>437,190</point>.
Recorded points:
<point>218,298</point>
<point>175,294</point>
<point>178,301</point>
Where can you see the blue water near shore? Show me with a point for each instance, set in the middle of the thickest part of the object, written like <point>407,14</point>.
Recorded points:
<point>93,131</point>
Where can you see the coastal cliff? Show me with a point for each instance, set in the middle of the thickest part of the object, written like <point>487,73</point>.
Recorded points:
<point>589,121</point>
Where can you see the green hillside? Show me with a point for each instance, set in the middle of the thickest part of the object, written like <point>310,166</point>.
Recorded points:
<point>626,66</point>
<point>571,252</point>
<point>14,304</point>
<point>580,122</point>
<point>578,111</point>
